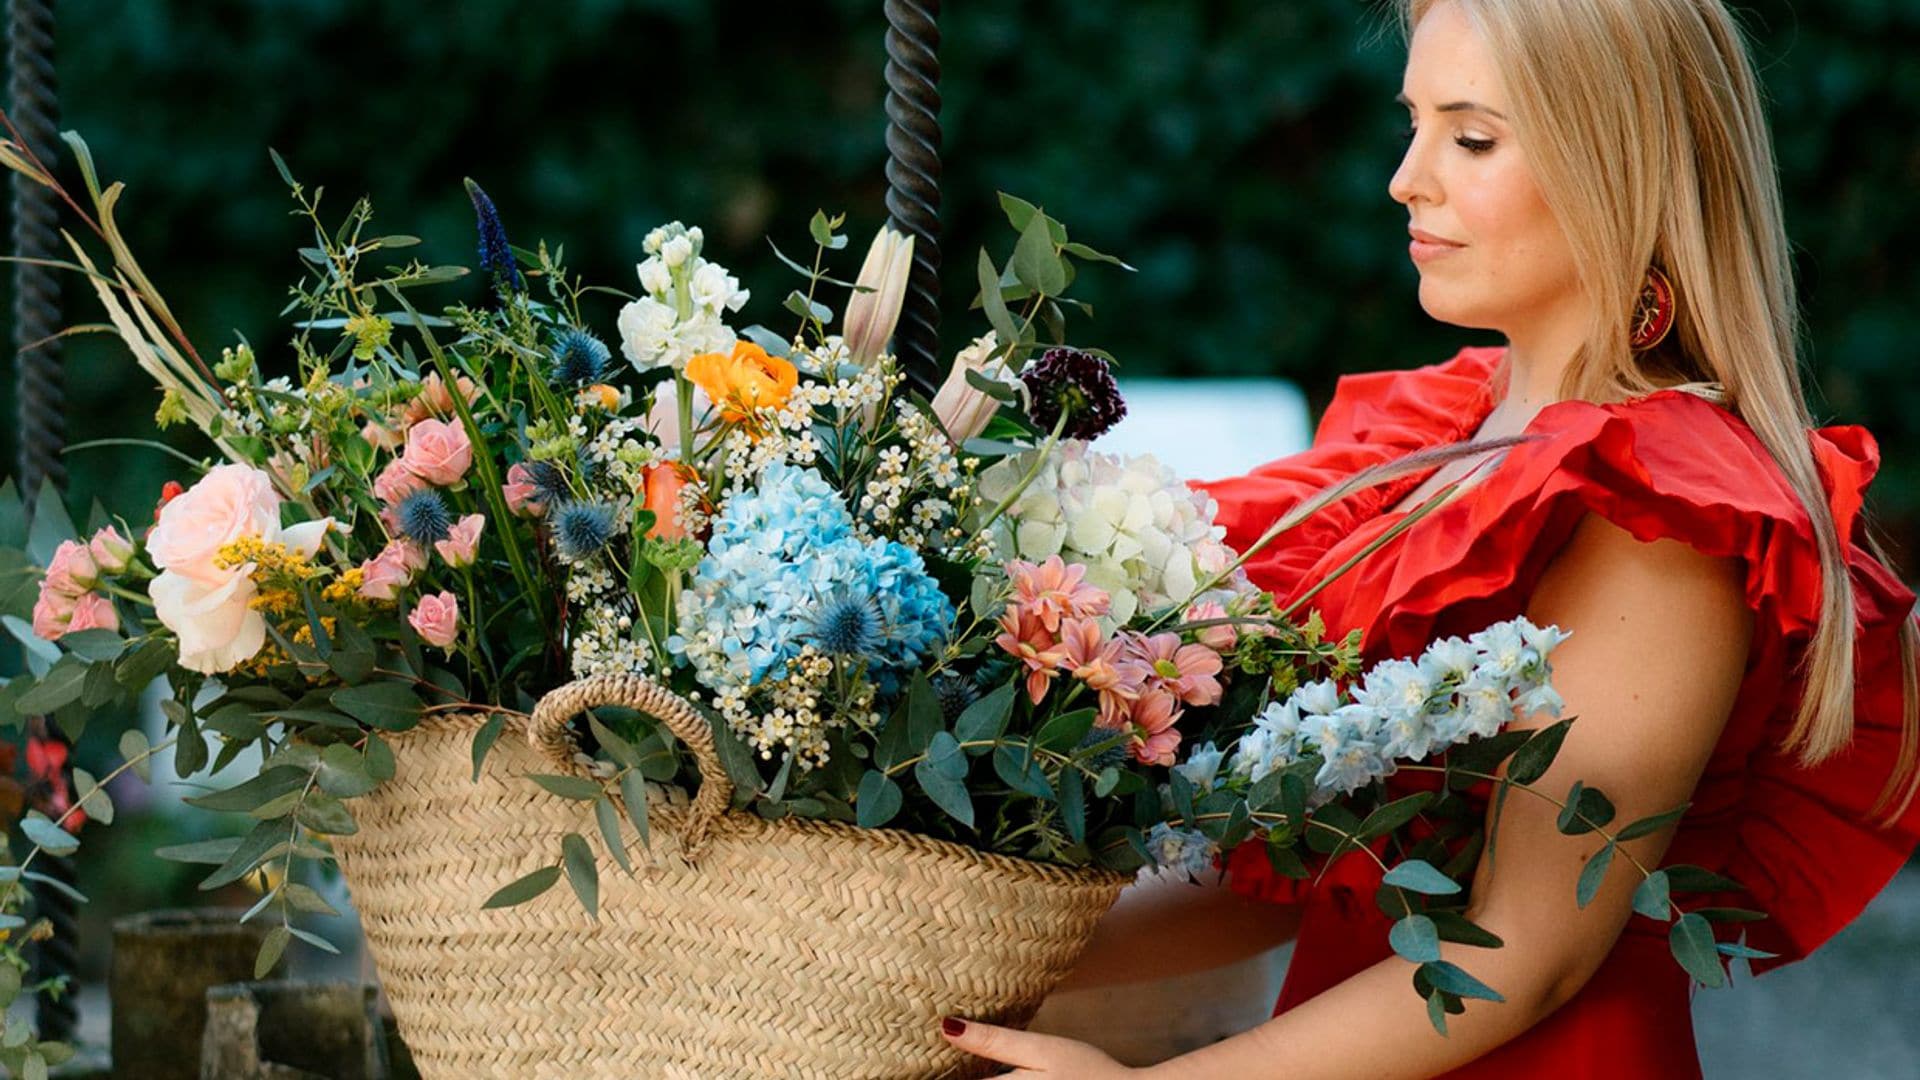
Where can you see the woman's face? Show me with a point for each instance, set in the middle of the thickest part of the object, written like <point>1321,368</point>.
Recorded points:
<point>1489,252</point>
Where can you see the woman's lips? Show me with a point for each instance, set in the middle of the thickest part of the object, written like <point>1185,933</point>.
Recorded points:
<point>1426,246</point>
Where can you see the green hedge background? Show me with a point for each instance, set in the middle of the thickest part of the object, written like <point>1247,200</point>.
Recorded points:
<point>1236,151</point>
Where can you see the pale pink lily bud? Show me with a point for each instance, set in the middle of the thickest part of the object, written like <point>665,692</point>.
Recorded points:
<point>436,619</point>
<point>463,539</point>
<point>93,612</point>
<point>111,552</point>
<point>71,571</point>
<point>1217,638</point>
<point>962,408</point>
<point>871,315</point>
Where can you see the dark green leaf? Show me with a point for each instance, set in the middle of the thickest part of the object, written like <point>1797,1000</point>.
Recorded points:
<point>524,888</point>
<point>269,784</point>
<point>1447,976</point>
<point>390,706</point>
<point>1585,811</point>
<point>994,303</point>
<point>1286,861</point>
<point>617,748</point>
<point>1729,948</point>
<point>484,739</point>
<point>582,874</point>
<point>1065,731</point>
<point>944,756</point>
<point>1437,1011</point>
<point>1421,877</point>
<point>1647,826</point>
<point>633,795</point>
<point>1415,939</point>
<point>1073,804</point>
<point>343,773</point>
<point>948,793</point>
<point>1021,770</point>
<point>94,646</point>
<point>1730,914</point>
<point>60,685</point>
<point>1592,874</point>
<point>985,719</point>
<point>213,852</point>
<point>1385,819</point>
<point>1691,940</point>
<point>609,821</point>
<point>267,840</point>
<point>326,815</point>
<point>568,787</point>
<point>1682,877</point>
<point>879,799</point>
<point>1531,761</point>
<point>1035,263</point>
<point>271,948</point>
<point>1652,898</point>
<point>1456,927</point>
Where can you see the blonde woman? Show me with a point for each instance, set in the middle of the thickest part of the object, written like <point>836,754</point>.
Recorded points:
<point>1592,179</point>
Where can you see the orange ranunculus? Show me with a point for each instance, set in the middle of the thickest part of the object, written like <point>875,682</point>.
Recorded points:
<point>743,381</point>
<point>663,482</point>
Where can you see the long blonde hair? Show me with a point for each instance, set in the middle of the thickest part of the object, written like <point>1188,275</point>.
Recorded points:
<point>1643,128</point>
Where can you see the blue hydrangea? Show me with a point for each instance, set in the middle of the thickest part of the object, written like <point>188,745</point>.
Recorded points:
<point>781,555</point>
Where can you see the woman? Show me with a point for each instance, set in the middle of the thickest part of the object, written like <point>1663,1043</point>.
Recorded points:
<point>1738,642</point>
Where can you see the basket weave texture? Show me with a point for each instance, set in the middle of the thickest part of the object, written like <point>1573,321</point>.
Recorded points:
<point>740,947</point>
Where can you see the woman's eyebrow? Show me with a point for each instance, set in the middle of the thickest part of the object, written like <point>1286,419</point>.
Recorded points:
<point>1456,106</point>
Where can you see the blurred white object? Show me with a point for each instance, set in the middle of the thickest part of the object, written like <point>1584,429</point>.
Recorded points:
<point>1206,429</point>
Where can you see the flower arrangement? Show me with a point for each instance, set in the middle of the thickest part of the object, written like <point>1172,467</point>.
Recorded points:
<point>946,615</point>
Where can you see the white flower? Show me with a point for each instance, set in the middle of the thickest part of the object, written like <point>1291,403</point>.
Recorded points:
<point>715,290</point>
<point>872,313</point>
<point>646,332</point>
<point>1202,766</point>
<point>963,408</point>
<point>655,278</point>
<point>676,250</point>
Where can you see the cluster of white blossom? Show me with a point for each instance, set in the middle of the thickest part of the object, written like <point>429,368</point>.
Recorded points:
<point>620,456</point>
<point>1144,536</point>
<point>603,641</point>
<point>795,711</point>
<point>686,301</point>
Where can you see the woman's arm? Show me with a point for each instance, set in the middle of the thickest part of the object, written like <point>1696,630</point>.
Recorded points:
<point>1659,641</point>
<point>1192,928</point>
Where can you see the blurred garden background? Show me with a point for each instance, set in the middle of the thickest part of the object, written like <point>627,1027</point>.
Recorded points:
<point>1235,151</point>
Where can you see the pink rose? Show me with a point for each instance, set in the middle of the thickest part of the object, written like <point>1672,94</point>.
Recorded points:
<point>111,552</point>
<point>521,493</point>
<point>72,570</point>
<point>434,400</point>
<point>1217,638</point>
<point>436,619</point>
<point>395,483</point>
<point>52,613</point>
<point>384,575</point>
<point>93,612</point>
<point>438,452</point>
<point>230,502</point>
<point>463,539</point>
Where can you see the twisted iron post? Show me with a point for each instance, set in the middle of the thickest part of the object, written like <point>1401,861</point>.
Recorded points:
<point>42,408</point>
<point>913,177</point>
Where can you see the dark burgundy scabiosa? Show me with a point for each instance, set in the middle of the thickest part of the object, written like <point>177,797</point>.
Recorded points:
<point>1077,384</point>
<point>496,257</point>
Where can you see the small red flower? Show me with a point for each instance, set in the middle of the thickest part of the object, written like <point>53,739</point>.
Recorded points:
<point>169,491</point>
<point>47,763</point>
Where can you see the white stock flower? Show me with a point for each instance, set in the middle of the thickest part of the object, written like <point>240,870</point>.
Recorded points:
<point>715,290</point>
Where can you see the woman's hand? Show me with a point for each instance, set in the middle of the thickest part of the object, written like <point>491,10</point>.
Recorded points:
<point>1031,1053</point>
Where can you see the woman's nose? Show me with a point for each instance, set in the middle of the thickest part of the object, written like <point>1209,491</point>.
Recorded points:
<point>1413,178</point>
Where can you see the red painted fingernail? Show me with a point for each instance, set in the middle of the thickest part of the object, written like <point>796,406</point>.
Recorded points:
<point>953,1025</point>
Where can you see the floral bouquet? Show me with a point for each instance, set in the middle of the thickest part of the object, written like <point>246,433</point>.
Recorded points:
<point>945,616</point>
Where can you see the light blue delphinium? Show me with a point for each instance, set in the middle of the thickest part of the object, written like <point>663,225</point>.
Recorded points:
<point>1177,852</point>
<point>1405,710</point>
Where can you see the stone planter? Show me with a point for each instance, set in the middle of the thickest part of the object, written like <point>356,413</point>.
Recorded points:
<point>289,1030</point>
<point>163,963</point>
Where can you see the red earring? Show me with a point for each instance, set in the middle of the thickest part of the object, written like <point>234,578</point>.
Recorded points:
<point>1652,311</point>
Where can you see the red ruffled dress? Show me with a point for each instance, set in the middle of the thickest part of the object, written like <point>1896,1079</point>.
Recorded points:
<point>1666,464</point>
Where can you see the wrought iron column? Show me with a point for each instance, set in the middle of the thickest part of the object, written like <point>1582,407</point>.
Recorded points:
<point>913,177</point>
<point>41,400</point>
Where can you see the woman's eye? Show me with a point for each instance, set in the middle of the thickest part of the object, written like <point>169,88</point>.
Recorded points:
<point>1473,145</point>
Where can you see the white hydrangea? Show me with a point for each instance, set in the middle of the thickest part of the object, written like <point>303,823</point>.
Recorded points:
<point>1144,536</point>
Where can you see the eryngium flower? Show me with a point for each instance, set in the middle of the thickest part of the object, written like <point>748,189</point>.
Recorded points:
<point>954,692</point>
<point>424,518</point>
<point>847,624</point>
<point>496,257</point>
<point>549,481</point>
<point>579,358</point>
<point>581,529</point>
<point>1078,384</point>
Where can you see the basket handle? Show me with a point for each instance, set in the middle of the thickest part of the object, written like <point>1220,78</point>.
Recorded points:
<point>550,732</point>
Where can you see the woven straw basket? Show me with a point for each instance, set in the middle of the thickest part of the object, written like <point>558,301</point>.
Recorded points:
<point>741,947</point>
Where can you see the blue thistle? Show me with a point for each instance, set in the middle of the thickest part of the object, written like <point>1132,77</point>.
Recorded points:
<point>954,692</point>
<point>579,358</point>
<point>424,517</point>
<point>496,256</point>
<point>1112,755</point>
<point>580,529</point>
<point>549,481</point>
<point>847,624</point>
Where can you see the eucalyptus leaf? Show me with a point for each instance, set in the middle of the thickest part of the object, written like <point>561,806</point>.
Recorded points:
<point>1415,939</point>
<point>582,874</point>
<point>1691,940</point>
<point>1422,877</point>
<point>1592,875</point>
<point>524,888</point>
<point>1653,898</point>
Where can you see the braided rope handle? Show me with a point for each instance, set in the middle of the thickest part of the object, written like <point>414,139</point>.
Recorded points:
<point>550,733</point>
